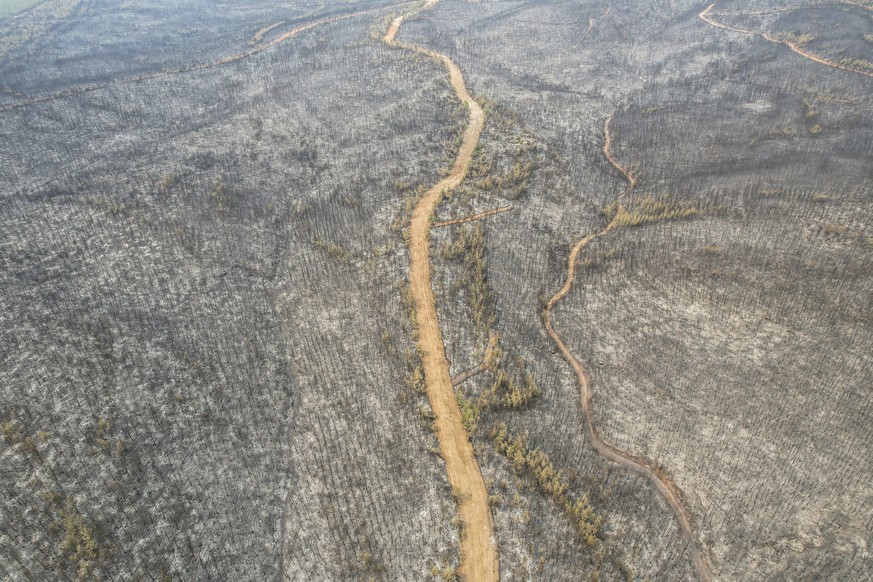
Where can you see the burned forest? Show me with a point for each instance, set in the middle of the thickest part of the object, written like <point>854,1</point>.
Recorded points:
<point>436,290</point>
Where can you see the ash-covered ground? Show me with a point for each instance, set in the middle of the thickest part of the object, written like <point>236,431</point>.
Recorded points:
<point>206,352</point>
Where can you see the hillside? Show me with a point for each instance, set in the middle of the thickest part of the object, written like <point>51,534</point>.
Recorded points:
<point>516,290</point>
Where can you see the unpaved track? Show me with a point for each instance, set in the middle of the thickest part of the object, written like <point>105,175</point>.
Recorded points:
<point>607,152</point>
<point>196,67</point>
<point>486,361</point>
<point>472,217</point>
<point>479,560</point>
<point>707,18</point>
<point>668,490</point>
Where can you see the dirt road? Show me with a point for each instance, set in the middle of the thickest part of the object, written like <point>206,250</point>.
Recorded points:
<point>668,490</point>
<point>665,487</point>
<point>479,560</point>
<point>607,152</point>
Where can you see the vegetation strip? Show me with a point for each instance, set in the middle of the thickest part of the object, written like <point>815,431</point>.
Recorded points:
<point>197,67</point>
<point>707,18</point>
<point>662,482</point>
<point>478,558</point>
<point>550,480</point>
<point>471,218</point>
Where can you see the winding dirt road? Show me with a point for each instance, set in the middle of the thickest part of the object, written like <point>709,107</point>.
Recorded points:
<point>607,152</point>
<point>479,561</point>
<point>668,490</point>
<point>708,18</point>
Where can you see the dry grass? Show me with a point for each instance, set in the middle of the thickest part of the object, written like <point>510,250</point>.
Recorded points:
<point>259,35</point>
<point>800,40</point>
<point>648,209</point>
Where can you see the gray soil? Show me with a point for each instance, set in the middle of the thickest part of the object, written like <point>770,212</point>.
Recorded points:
<point>205,358</point>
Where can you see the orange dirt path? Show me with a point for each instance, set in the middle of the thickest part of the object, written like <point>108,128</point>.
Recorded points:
<point>479,561</point>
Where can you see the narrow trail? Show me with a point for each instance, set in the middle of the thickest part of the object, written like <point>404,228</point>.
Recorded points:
<point>707,18</point>
<point>486,361</point>
<point>471,218</point>
<point>607,152</point>
<point>479,561</point>
<point>591,22</point>
<point>191,68</point>
<point>668,490</point>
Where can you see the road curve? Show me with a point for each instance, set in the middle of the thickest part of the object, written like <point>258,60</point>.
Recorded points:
<point>668,490</point>
<point>607,152</point>
<point>479,561</point>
